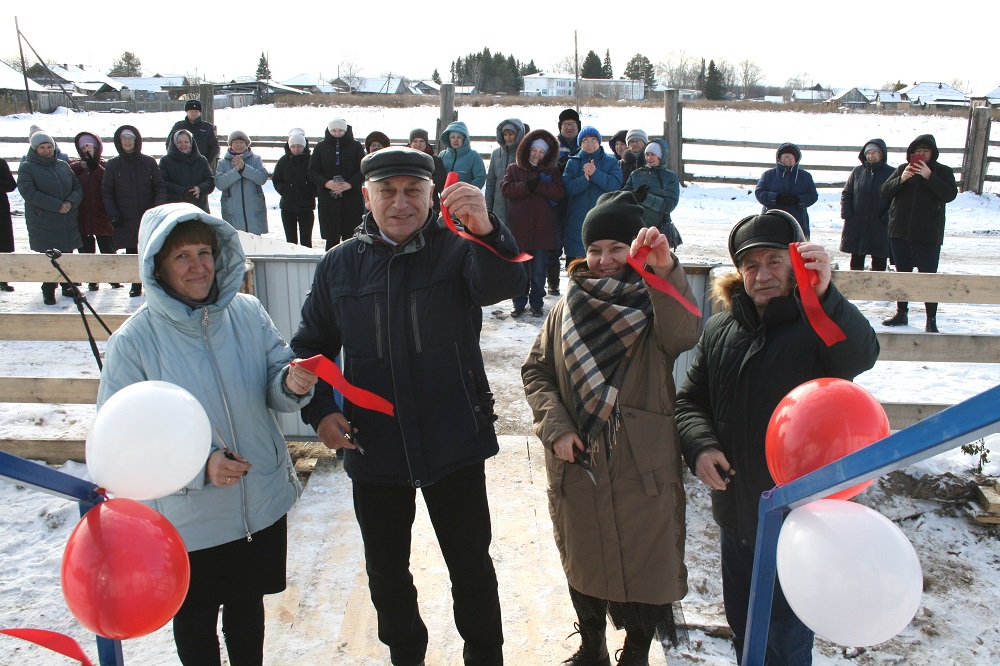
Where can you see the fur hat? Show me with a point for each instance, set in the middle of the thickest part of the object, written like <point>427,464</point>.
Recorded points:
<point>376,136</point>
<point>239,134</point>
<point>192,104</point>
<point>337,124</point>
<point>419,134</point>
<point>616,216</point>
<point>775,229</point>
<point>570,114</point>
<point>38,138</point>
<point>637,134</point>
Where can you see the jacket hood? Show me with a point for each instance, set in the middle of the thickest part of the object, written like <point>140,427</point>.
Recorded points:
<point>726,286</point>
<point>666,154</point>
<point>881,146</point>
<point>97,139</point>
<point>118,140</point>
<point>520,129</point>
<point>457,126</point>
<point>176,153</point>
<point>788,148</point>
<point>156,225</point>
<point>524,150</point>
<point>927,139</point>
<point>329,138</point>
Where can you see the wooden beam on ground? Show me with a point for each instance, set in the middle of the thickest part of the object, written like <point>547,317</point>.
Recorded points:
<point>56,326</point>
<point>926,287</point>
<point>36,267</point>
<point>55,390</point>
<point>904,414</point>
<point>52,451</point>
<point>938,347</point>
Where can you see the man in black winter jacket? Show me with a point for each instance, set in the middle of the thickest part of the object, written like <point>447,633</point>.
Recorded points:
<point>403,299</point>
<point>751,354</point>
<point>203,132</point>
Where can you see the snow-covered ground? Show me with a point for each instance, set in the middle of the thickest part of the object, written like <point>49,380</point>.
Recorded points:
<point>956,622</point>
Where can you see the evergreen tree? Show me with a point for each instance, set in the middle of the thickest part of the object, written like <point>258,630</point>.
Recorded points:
<point>715,88</point>
<point>700,81</point>
<point>591,66</point>
<point>126,65</point>
<point>263,70</point>
<point>641,69</point>
<point>435,77</point>
<point>606,71</point>
<point>529,69</point>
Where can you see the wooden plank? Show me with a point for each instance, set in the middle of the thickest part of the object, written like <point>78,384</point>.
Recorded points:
<point>931,287</point>
<point>55,390</point>
<point>768,165</point>
<point>56,326</point>
<point>727,180</point>
<point>36,267</point>
<point>902,414</point>
<point>52,451</point>
<point>815,147</point>
<point>989,498</point>
<point>938,347</point>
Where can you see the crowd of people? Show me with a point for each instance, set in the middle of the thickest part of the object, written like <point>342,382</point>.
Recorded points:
<point>599,378</point>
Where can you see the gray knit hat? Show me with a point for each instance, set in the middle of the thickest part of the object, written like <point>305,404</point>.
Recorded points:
<point>239,134</point>
<point>616,216</point>
<point>40,137</point>
<point>637,134</point>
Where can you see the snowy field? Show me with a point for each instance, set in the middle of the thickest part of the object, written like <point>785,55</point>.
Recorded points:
<point>956,622</point>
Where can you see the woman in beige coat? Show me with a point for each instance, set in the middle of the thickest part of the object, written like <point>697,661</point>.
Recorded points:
<point>599,380</point>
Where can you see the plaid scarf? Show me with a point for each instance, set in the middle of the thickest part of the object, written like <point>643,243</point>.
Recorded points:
<point>602,319</point>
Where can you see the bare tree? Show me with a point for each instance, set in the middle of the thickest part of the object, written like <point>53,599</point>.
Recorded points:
<point>798,82</point>
<point>679,70</point>
<point>565,65</point>
<point>959,84</point>
<point>750,75</point>
<point>350,73</point>
<point>730,76</point>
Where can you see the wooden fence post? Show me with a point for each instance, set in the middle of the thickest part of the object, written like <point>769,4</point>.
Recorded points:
<point>447,114</point>
<point>206,94</point>
<point>976,146</point>
<point>672,110</point>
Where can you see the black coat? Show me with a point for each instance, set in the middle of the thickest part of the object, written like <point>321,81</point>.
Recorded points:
<point>291,181</point>
<point>182,172</point>
<point>132,185</point>
<point>864,211</point>
<point>408,318</point>
<point>743,367</point>
<point>204,135</point>
<point>7,184</point>
<point>337,157</point>
<point>917,209</point>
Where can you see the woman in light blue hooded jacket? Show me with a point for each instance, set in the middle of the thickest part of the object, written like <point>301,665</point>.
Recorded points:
<point>458,155</point>
<point>197,331</point>
<point>240,178</point>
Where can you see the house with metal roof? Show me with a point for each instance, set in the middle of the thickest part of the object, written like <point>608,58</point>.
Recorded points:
<point>81,80</point>
<point>811,95</point>
<point>934,94</point>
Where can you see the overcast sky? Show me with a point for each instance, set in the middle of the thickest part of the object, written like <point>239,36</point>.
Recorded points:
<point>845,44</point>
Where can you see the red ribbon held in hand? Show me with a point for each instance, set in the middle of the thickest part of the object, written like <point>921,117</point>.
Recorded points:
<point>52,640</point>
<point>450,180</point>
<point>807,280</point>
<point>638,262</point>
<point>328,371</point>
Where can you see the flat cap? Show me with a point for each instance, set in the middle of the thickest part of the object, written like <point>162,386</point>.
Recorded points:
<point>397,161</point>
<point>774,228</point>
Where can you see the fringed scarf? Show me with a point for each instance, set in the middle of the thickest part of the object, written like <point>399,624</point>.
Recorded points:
<point>602,319</point>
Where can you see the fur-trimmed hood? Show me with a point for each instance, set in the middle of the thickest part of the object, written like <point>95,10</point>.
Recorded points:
<point>725,287</point>
<point>524,150</point>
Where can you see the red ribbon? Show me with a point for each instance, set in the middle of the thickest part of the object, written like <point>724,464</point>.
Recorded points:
<point>807,279</point>
<point>450,180</point>
<point>52,640</point>
<point>638,262</point>
<point>328,371</point>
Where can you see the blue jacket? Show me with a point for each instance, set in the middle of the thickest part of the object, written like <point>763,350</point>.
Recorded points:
<point>243,204</point>
<point>232,359</point>
<point>663,193</point>
<point>583,193</point>
<point>788,180</point>
<point>464,161</point>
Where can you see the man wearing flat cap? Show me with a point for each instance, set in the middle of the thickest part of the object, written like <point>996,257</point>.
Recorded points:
<point>203,132</point>
<point>403,300</point>
<point>751,354</point>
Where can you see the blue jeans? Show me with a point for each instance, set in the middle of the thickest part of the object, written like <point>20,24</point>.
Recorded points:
<point>789,642</point>
<point>535,269</point>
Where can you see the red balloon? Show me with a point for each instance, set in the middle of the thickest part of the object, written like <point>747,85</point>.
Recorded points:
<point>819,422</point>
<point>125,571</point>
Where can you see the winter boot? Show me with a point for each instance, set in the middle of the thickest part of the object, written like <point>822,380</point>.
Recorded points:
<point>115,285</point>
<point>593,646</point>
<point>931,326</point>
<point>68,290</point>
<point>901,317</point>
<point>136,290</point>
<point>635,652</point>
<point>93,286</point>
<point>5,287</point>
<point>49,293</point>
<point>552,274</point>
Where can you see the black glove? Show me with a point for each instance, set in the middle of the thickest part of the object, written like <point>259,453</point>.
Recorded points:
<point>533,183</point>
<point>787,199</point>
<point>640,193</point>
<point>117,222</point>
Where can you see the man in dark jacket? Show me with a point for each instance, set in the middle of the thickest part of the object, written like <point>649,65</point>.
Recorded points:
<point>751,354</point>
<point>203,132</point>
<point>919,191</point>
<point>402,299</point>
<point>569,129</point>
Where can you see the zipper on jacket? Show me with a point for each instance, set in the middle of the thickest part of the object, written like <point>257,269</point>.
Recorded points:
<point>378,326</point>
<point>414,482</point>
<point>413,323</point>
<point>205,322</point>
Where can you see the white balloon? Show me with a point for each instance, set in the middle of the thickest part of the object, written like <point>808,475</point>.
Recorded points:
<point>148,440</point>
<point>848,572</point>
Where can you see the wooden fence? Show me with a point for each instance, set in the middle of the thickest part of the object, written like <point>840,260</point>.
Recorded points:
<point>66,326</point>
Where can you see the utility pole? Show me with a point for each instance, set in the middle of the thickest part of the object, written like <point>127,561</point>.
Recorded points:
<point>24,70</point>
<point>576,72</point>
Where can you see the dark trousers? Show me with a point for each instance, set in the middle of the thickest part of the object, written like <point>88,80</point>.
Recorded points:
<point>536,269</point>
<point>242,625</point>
<point>878,263</point>
<point>298,224</point>
<point>91,244</point>
<point>460,514</point>
<point>908,255</point>
<point>789,642</point>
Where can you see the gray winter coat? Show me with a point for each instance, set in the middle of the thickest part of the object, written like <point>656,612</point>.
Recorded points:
<point>232,359</point>
<point>45,184</point>
<point>503,156</point>
<point>243,204</point>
